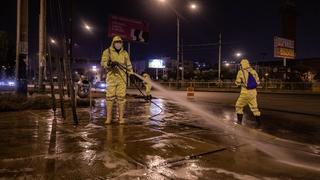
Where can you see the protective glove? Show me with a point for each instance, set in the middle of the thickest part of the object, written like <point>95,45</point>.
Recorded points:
<point>112,64</point>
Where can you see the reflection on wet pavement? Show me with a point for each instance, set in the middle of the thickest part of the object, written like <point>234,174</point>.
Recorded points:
<point>173,145</point>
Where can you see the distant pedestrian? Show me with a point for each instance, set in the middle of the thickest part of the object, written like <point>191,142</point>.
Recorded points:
<point>248,79</point>
<point>147,84</point>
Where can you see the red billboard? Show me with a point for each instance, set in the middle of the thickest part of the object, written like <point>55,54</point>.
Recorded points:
<point>129,29</point>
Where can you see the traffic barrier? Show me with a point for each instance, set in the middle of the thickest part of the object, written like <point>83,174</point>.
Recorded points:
<point>316,87</point>
<point>190,92</point>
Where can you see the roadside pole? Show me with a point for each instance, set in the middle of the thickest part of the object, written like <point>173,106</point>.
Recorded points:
<point>90,99</point>
<point>182,62</point>
<point>285,68</point>
<point>178,48</point>
<point>68,68</point>
<point>219,59</point>
<point>53,98</point>
<point>42,34</point>
<point>22,48</point>
<point>61,87</point>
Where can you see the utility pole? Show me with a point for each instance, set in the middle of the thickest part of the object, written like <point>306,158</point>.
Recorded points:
<point>42,31</point>
<point>61,86</point>
<point>178,46</point>
<point>22,48</point>
<point>53,98</point>
<point>182,61</point>
<point>68,68</point>
<point>219,58</point>
<point>285,68</point>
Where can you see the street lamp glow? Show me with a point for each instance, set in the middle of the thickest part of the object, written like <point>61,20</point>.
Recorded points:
<point>193,6</point>
<point>238,54</point>
<point>87,27</point>
<point>162,1</point>
<point>52,41</point>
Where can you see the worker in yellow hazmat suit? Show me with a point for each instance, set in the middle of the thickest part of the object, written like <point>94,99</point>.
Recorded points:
<point>248,79</point>
<point>147,84</point>
<point>113,60</point>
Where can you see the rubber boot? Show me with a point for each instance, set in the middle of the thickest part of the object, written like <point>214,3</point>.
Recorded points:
<point>258,121</point>
<point>121,113</point>
<point>239,118</point>
<point>109,113</point>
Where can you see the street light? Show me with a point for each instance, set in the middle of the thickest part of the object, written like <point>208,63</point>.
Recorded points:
<point>53,41</point>
<point>87,27</point>
<point>192,6</point>
<point>238,54</point>
<point>91,29</point>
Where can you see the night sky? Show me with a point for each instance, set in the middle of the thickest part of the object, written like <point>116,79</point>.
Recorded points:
<point>247,26</point>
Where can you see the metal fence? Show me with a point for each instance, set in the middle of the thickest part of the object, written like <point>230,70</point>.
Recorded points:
<point>301,86</point>
<point>212,86</point>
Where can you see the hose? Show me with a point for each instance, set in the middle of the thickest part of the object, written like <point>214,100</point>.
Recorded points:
<point>125,70</point>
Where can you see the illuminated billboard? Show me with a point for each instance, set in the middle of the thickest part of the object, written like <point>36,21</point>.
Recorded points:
<point>284,48</point>
<point>156,63</point>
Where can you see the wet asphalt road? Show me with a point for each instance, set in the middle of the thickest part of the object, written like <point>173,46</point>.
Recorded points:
<point>295,117</point>
<point>175,145</point>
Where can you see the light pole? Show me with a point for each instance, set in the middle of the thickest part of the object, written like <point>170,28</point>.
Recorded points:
<point>51,42</point>
<point>178,45</point>
<point>219,58</point>
<point>21,48</point>
<point>192,6</point>
<point>54,43</point>
<point>42,59</point>
<point>91,30</point>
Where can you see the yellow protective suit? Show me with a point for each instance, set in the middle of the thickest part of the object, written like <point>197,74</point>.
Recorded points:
<point>116,78</point>
<point>247,96</point>
<point>147,83</point>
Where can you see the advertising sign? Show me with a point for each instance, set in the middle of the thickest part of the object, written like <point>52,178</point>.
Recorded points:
<point>157,63</point>
<point>129,29</point>
<point>284,48</point>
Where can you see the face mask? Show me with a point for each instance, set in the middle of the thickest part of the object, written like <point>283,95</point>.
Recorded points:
<point>118,46</point>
